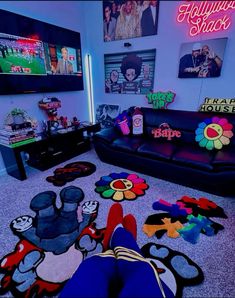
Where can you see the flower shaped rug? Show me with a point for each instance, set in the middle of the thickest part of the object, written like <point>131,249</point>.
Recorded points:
<point>121,186</point>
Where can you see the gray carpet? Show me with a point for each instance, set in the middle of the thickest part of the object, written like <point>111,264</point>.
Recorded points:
<point>215,255</point>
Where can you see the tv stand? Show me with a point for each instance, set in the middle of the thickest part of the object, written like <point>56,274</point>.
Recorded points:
<point>49,151</point>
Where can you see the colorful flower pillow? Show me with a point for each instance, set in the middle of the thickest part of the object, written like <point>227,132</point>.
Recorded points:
<point>214,133</point>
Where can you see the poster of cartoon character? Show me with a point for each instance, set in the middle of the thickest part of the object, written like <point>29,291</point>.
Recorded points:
<point>130,73</point>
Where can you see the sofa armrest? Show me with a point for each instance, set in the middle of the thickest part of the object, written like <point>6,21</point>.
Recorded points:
<point>107,135</point>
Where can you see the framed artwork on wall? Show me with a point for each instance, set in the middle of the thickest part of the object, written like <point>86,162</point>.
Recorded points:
<point>202,59</point>
<point>130,73</point>
<point>106,114</point>
<point>129,19</point>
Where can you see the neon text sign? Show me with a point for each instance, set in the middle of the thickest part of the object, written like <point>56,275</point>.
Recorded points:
<point>206,16</point>
<point>165,131</point>
<point>160,100</point>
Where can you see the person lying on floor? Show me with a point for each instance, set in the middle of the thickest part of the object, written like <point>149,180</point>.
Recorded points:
<point>121,270</point>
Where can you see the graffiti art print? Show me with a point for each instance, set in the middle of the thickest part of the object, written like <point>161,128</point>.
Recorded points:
<point>106,114</point>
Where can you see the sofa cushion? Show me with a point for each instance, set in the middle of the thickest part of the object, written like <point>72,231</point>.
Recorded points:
<point>128,143</point>
<point>155,149</point>
<point>193,156</point>
<point>107,135</point>
<point>224,158</point>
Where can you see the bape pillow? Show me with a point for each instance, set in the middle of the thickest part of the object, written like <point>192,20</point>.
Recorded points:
<point>164,131</point>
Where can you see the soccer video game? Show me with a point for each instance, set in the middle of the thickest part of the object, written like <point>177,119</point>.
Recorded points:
<point>20,55</point>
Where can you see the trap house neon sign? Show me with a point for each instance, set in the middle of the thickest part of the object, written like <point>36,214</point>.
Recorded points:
<point>206,16</point>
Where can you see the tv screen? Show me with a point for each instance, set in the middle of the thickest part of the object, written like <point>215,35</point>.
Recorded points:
<point>21,55</point>
<point>38,57</point>
<point>62,60</point>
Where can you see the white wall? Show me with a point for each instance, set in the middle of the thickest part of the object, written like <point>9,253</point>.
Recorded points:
<point>190,93</point>
<point>67,14</point>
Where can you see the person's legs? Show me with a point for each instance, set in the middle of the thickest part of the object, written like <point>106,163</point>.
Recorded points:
<point>129,223</point>
<point>138,276</point>
<point>122,237</point>
<point>101,275</point>
<point>115,217</point>
<point>95,278</point>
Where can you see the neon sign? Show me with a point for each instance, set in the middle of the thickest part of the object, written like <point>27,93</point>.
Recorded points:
<point>206,16</point>
<point>160,100</point>
<point>165,131</point>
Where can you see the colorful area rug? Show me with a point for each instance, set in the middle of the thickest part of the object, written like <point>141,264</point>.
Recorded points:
<point>121,186</point>
<point>54,242</point>
<point>178,271</point>
<point>51,245</point>
<point>187,218</point>
<point>70,172</point>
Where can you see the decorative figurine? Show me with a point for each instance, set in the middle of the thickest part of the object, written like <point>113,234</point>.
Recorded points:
<point>64,121</point>
<point>75,122</point>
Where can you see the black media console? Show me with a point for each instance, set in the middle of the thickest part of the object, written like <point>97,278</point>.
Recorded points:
<point>48,151</point>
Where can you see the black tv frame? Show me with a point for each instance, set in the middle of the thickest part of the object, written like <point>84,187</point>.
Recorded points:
<point>15,24</point>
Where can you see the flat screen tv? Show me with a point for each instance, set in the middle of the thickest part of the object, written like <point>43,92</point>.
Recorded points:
<point>38,57</point>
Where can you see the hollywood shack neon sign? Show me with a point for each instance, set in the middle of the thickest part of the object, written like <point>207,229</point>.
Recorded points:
<point>206,16</point>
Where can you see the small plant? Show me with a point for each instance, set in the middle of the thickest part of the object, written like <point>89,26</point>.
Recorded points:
<point>16,116</point>
<point>17,112</point>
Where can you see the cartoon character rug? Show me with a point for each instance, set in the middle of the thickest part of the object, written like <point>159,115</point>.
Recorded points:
<point>70,172</point>
<point>54,242</point>
<point>187,218</point>
<point>55,239</point>
<point>121,186</point>
<point>175,268</point>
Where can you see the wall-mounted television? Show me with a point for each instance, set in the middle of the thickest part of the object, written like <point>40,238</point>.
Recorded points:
<point>38,57</point>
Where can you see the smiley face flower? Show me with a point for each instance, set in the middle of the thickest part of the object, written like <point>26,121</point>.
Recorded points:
<point>214,133</point>
<point>121,186</point>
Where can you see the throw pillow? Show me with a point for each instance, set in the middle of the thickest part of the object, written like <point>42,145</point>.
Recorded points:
<point>164,131</point>
<point>123,122</point>
<point>214,133</point>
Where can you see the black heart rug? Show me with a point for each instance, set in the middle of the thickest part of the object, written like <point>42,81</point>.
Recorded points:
<point>178,270</point>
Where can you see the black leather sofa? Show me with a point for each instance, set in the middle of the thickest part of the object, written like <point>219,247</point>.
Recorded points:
<point>180,160</point>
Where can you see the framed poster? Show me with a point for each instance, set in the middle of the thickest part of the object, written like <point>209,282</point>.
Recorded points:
<point>130,73</point>
<point>106,114</point>
<point>129,19</point>
<point>202,59</point>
